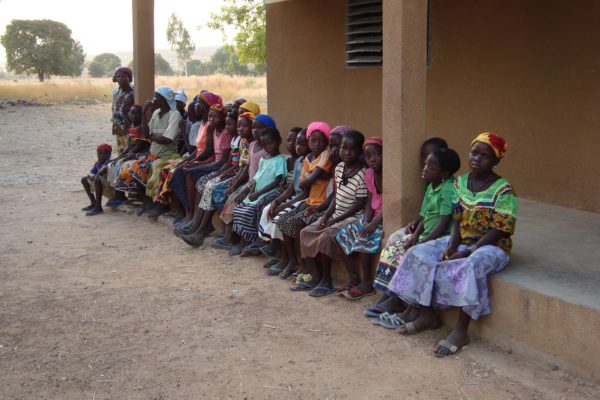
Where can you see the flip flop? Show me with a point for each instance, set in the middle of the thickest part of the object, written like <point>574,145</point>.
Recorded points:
<point>373,310</point>
<point>357,294</point>
<point>321,291</point>
<point>272,271</point>
<point>285,274</point>
<point>219,243</point>
<point>302,287</point>
<point>93,212</point>
<point>114,203</point>
<point>235,251</point>
<point>88,208</point>
<point>342,289</point>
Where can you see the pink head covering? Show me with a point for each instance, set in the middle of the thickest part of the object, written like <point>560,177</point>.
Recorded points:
<point>373,140</point>
<point>318,126</point>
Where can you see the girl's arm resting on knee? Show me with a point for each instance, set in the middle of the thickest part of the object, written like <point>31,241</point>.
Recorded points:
<point>490,238</point>
<point>266,189</point>
<point>358,205</point>
<point>325,220</point>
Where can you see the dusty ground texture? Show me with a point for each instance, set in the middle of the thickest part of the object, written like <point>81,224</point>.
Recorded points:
<point>116,307</point>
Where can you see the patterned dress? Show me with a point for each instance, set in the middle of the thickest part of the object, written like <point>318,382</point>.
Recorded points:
<point>423,279</point>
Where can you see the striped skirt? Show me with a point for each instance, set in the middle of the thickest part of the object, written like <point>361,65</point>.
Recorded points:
<point>267,228</point>
<point>245,217</point>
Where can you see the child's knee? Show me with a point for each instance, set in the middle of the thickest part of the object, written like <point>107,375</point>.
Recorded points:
<point>84,181</point>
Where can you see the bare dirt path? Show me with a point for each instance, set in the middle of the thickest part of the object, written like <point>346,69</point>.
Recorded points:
<point>116,307</point>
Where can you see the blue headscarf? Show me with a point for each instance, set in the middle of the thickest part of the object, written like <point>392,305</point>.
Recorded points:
<point>265,120</point>
<point>168,94</point>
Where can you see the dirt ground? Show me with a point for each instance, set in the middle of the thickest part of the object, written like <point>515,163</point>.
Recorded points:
<point>116,307</point>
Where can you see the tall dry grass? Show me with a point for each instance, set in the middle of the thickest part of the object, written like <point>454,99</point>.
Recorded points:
<point>76,90</point>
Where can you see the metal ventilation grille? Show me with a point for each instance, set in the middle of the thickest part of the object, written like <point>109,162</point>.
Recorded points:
<point>364,44</point>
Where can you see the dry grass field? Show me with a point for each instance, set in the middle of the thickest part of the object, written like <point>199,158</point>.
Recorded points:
<point>85,90</point>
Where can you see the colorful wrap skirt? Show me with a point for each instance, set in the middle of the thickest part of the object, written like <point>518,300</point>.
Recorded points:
<point>350,241</point>
<point>422,279</point>
<point>134,173</point>
<point>314,241</point>
<point>155,174</point>
<point>166,174</point>
<point>390,258</point>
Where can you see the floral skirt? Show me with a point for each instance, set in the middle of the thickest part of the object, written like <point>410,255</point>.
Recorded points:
<point>350,241</point>
<point>134,173</point>
<point>166,174</point>
<point>423,279</point>
<point>213,194</point>
<point>390,258</point>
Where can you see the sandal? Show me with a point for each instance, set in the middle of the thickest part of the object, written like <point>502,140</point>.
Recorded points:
<point>274,270</point>
<point>285,274</point>
<point>451,347</point>
<point>342,289</point>
<point>219,243</point>
<point>321,291</point>
<point>390,321</point>
<point>250,250</point>
<point>235,251</point>
<point>409,328</point>
<point>356,294</point>
<point>88,208</point>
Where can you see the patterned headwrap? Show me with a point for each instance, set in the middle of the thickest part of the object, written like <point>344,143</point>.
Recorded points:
<point>168,94</point>
<point>497,143</point>
<point>373,140</point>
<point>210,98</point>
<point>126,71</point>
<point>318,126</point>
<point>248,116</point>
<point>266,120</point>
<point>104,147</point>
<point>252,107</point>
<point>341,129</point>
<point>218,107</point>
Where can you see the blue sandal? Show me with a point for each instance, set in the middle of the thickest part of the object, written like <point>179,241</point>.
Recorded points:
<point>302,287</point>
<point>321,291</point>
<point>372,310</point>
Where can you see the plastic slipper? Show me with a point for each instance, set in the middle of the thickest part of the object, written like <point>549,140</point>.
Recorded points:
<point>114,203</point>
<point>321,291</point>
<point>393,321</point>
<point>219,243</point>
<point>375,310</point>
<point>235,251</point>
<point>93,212</point>
<point>273,271</point>
<point>285,274</point>
<point>357,294</point>
<point>301,287</point>
<point>380,317</point>
<point>347,286</point>
<point>88,208</point>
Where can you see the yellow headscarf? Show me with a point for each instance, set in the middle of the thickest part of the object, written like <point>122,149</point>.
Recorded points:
<point>497,143</point>
<point>252,107</point>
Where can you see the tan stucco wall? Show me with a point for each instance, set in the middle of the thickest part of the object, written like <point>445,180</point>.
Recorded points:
<point>307,78</point>
<point>530,71</point>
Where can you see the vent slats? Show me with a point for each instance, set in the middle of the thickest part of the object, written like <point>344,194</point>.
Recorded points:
<point>364,35</point>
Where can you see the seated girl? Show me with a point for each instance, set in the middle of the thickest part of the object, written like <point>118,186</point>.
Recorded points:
<point>364,235</point>
<point>238,188</point>
<point>138,148</point>
<point>452,271</point>
<point>314,181</point>
<point>184,183</point>
<point>383,274</point>
<point>272,169</point>
<point>435,222</point>
<point>268,230</point>
<point>95,181</point>
<point>193,232</point>
<point>318,240</point>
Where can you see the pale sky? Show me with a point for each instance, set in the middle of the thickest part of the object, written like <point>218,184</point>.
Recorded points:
<point>105,25</point>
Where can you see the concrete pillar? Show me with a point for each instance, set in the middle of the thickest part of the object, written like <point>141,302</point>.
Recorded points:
<point>143,49</point>
<point>404,106</point>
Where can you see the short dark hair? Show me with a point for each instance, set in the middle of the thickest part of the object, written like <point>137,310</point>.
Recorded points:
<point>357,137</point>
<point>296,130</point>
<point>270,131</point>
<point>448,159</point>
<point>436,141</point>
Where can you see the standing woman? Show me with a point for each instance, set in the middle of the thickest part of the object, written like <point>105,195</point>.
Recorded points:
<point>452,271</point>
<point>122,102</point>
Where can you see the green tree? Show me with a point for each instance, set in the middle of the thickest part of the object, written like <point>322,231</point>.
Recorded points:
<point>197,67</point>
<point>103,64</point>
<point>42,47</point>
<point>180,41</point>
<point>226,61</point>
<point>248,17</point>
